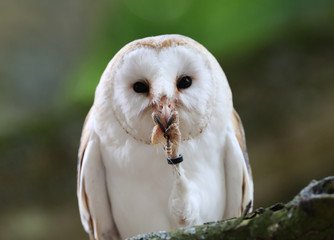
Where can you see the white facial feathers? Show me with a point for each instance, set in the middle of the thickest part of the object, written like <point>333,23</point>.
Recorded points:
<point>160,65</point>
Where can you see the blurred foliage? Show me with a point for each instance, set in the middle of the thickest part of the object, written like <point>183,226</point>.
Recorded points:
<point>277,55</point>
<point>229,29</point>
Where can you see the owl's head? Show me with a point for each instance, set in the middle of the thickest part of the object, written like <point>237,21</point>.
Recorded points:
<point>170,70</point>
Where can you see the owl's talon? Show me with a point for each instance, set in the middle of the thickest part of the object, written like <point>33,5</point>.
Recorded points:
<point>170,120</point>
<point>167,133</point>
<point>158,121</point>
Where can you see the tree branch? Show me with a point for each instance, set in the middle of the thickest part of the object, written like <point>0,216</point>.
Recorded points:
<point>310,215</point>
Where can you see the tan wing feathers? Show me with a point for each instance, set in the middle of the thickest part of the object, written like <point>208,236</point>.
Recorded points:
<point>85,135</point>
<point>84,198</point>
<point>240,134</point>
<point>247,176</point>
<point>94,204</point>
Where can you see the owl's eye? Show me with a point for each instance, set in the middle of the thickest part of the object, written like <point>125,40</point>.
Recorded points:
<point>184,82</point>
<point>141,87</point>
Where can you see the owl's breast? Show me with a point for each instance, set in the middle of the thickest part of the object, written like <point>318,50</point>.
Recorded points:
<point>140,184</point>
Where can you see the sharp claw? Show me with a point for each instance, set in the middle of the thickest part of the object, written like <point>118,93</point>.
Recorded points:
<point>157,120</point>
<point>170,121</point>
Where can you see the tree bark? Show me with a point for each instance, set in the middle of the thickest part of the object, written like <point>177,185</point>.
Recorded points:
<point>310,215</point>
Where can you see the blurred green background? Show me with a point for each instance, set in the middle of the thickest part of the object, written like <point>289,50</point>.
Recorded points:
<point>277,55</point>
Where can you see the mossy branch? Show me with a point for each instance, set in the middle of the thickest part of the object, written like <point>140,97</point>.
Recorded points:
<point>310,215</point>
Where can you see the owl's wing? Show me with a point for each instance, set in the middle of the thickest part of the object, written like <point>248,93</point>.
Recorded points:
<point>94,204</point>
<point>240,135</point>
<point>238,175</point>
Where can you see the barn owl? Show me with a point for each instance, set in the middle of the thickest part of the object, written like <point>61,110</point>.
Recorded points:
<point>162,146</point>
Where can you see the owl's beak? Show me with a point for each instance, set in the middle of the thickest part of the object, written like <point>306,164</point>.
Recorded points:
<point>163,112</point>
